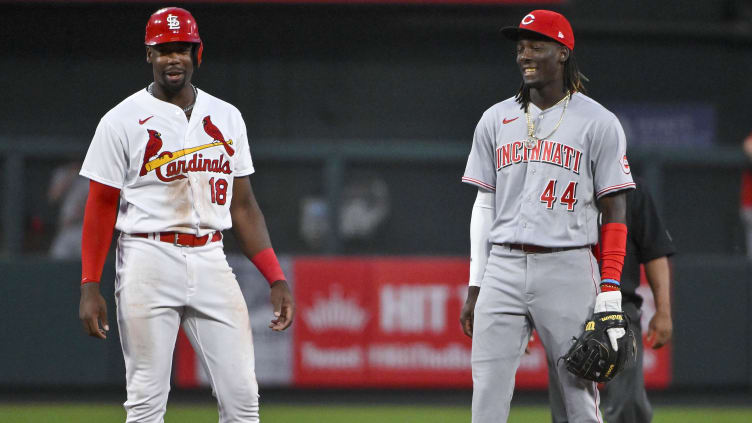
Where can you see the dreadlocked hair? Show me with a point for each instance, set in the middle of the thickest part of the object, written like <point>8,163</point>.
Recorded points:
<point>573,82</point>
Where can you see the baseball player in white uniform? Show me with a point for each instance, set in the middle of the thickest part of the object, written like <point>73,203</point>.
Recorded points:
<point>545,163</point>
<point>169,168</point>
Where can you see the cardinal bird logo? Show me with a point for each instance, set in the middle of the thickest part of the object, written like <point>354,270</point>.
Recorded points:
<point>216,134</point>
<point>168,168</point>
<point>152,148</point>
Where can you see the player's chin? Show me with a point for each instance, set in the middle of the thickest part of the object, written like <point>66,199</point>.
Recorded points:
<point>531,81</point>
<point>174,82</point>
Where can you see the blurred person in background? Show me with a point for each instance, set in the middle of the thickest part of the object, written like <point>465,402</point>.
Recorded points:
<point>648,243</point>
<point>364,209</point>
<point>68,190</point>
<point>746,196</point>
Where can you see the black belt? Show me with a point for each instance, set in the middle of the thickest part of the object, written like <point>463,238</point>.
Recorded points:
<point>537,249</point>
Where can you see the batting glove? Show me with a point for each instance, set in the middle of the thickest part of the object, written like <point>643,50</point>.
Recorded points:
<point>610,301</point>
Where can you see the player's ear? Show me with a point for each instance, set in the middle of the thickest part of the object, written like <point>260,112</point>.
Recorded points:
<point>148,54</point>
<point>563,54</point>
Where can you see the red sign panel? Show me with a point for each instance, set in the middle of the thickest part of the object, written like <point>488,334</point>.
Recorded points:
<point>417,339</point>
<point>334,308</point>
<point>387,322</point>
<point>394,322</point>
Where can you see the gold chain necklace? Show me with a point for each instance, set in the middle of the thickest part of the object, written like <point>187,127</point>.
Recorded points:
<point>532,140</point>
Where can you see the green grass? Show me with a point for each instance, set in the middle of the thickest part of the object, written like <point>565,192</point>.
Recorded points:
<point>97,413</point>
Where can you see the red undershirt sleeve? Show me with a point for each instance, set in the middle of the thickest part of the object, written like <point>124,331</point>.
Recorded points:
<point>99,224</point>
<point>613,250</point>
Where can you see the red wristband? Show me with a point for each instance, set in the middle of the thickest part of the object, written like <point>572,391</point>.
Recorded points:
<point>266,262</point>
<point>613,250</point>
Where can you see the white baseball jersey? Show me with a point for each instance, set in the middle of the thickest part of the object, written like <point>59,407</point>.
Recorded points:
<point>546,195</point>
<point>174,175</point>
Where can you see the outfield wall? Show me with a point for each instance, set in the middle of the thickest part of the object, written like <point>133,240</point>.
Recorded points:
<point>361,322</point>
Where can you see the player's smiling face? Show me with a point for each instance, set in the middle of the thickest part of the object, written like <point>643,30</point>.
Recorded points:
<point>172,64</point>
<point>541,60</point>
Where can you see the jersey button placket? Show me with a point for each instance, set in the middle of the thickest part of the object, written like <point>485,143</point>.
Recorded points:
<point>530,181</point>
<point>195,196</point>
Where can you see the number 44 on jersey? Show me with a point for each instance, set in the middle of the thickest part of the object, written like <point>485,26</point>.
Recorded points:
<point>568,197</point>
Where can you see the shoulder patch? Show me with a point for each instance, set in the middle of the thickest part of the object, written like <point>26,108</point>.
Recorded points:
<point>625,165</point>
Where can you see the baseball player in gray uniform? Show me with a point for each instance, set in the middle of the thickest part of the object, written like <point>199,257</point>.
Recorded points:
<point>545,162</point>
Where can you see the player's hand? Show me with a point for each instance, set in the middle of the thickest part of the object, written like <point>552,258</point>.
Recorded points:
<point>529,341</point>
<point>747,146</point>
<point>92,310</point>
<point>284,307</point>
<point>610,301</point>
<point>660,329</point>
<point>468,310</point>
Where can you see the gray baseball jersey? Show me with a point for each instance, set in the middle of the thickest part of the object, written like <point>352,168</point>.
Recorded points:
<point>546,195</point>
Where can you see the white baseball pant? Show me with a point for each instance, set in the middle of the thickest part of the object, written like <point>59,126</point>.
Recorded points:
<point>160,287</point>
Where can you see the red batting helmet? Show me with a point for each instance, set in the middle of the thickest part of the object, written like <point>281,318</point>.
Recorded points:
<point>173,24</point>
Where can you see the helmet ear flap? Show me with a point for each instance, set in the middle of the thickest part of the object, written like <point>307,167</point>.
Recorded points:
<point>196,53</point>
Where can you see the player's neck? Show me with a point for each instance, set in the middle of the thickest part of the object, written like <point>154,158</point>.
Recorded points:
<point>182,98</point>
<point>547,96</point>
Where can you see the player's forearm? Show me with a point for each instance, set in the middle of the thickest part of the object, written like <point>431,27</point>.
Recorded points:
<point>249,226</point>
<point>99,223</point>
<point>248,223</point>
<point>613,242</point>
<point>658,274</point>
<point>481,220</point>
<point>250,230</point>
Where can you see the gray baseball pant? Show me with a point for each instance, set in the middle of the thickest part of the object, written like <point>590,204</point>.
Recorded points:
<point>551,292</point>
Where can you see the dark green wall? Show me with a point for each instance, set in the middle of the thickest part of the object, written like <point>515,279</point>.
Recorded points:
<point>43,343</point>
<point>712,302</point>
<point>369,72</point>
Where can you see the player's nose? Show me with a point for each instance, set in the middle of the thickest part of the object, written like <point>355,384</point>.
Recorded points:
<point>523,55</point>
<point>174,57</point>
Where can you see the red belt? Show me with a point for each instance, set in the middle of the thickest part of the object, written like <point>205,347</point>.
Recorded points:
<point>183,240</point>
<point>537,249</point>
